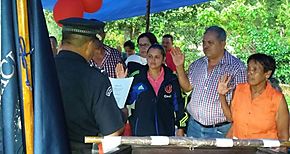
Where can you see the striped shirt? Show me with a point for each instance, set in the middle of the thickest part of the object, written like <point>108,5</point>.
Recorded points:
<point>204,105</point>
<point>111,59</point>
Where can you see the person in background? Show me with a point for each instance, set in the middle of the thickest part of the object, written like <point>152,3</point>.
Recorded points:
<point>207,117</point>
<point>136,62</point>
<point>53,44</point>
<point>257,110</point>
<point>167,43</point>
<point>123,54</point>
<point>106,58</point>
<point>129,47</point>
<point>155,98</point>
<point>90,107</point>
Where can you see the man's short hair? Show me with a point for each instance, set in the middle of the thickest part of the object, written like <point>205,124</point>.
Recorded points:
<point>129,44</point>
<point>168,36</point>
<point>75,39</point>
<point>222,36</point>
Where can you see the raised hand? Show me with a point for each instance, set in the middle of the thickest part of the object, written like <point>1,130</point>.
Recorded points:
<point>223,84</point>
<point>177,56</point>
<point>120,72</point>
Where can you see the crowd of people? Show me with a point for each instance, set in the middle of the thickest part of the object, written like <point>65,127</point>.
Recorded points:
<point>227,99</point>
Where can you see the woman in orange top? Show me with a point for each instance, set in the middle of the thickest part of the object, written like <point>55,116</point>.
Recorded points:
<point>257,109</point>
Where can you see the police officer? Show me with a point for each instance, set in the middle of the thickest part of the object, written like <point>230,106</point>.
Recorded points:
<point>89,104</point>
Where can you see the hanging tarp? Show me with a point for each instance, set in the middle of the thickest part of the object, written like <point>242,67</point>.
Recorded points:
<point>120,9</point>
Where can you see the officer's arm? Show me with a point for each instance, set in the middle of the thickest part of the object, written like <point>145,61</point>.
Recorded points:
<point>109,118</point>
<point>118,132</point>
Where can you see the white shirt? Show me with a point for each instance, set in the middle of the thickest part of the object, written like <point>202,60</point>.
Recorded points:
<point>137,59</point>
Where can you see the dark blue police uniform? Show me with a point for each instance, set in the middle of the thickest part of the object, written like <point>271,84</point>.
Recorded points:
<point>89,105</point>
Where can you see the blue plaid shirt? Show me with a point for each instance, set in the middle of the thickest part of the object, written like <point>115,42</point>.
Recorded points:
<point>204,105</point>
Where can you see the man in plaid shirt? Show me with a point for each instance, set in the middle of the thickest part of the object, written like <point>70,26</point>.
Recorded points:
<point>207,118</point>
<point>106,58</point>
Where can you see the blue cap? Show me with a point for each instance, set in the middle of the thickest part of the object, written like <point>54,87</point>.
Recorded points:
<point>80,26</point>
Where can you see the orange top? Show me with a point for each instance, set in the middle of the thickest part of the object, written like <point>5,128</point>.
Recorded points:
<point>256,118</point>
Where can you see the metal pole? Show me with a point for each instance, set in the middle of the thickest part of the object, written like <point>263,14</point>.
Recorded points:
<point>192,142</point>
<point>23,29</point>
<point>148,5</point>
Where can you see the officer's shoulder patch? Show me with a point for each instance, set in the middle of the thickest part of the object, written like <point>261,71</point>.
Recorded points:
<point>109,91</point>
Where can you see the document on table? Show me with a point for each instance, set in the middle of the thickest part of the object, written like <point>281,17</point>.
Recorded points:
<point>121,88</point>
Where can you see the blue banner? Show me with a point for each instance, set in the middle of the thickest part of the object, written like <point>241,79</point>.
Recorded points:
<point>50,135</point>
<point>10,109</point>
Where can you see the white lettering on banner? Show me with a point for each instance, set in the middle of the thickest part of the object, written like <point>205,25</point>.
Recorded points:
<point>9,63</point>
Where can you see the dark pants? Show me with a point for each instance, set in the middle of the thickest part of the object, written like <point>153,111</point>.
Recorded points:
<point>80,148</point>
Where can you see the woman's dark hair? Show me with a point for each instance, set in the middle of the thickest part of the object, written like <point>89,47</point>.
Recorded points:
<point>159,47</point>
<point>152,38</point>
<point>268,62</point>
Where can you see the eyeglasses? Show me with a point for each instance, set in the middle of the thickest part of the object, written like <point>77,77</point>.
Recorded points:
<point>144,45</point>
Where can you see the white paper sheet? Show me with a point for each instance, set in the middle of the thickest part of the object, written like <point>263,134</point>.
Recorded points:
<point>121,88</point>
<point>110,143</point>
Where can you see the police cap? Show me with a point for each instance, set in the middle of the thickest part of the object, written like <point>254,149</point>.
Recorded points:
<point>80,26</point>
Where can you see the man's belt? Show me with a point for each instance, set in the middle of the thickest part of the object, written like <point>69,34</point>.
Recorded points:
<point>214,125</point>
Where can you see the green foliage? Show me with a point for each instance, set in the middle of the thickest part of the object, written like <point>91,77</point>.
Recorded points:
<point>252,26</point>
<point>53,28</point>
<point>288,100</point>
